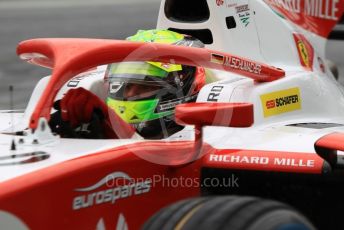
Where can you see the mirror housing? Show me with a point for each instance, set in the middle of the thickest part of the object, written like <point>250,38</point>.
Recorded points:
<point>330,147</point>
<point>235,115</point>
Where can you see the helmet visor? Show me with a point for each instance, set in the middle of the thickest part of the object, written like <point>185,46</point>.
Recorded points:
<point>139,80</point>
<point>137,111</point>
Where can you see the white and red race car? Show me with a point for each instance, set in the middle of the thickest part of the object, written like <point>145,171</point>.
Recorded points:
<point>269,123</point>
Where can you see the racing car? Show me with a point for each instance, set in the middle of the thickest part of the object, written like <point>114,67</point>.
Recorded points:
<point>261,148</point>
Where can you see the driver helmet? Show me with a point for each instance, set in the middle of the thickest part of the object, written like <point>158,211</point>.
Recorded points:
<point>145,94</point>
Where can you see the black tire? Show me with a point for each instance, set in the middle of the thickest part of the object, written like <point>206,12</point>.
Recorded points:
<point>232,213</point>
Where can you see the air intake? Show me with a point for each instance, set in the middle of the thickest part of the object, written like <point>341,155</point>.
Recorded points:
<point>187,10</point>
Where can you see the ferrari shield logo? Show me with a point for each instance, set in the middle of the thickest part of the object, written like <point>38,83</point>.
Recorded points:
<point>304,53</point>
<point>305,50</point>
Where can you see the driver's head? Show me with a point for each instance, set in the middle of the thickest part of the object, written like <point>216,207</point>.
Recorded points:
<point>145,94</point>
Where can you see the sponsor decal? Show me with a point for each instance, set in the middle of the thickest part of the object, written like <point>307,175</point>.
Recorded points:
<point>242,8</point>
<point>231,3</point>
<point>266,160</point>
<point>259,160</point>
<point>109,190</point>
<point>236,63</point>
<point>292,5</point>
<point>318,16</point>
<point>170,105</point>
<point>215,93</point>
<point>280,102</point>
<point>270,104</point>
<point>115,87</point>
<point>305,50</point>
<point>244,14</point>
<point>244,65</point>
<point>219,2</point>
<point>324,9</point>
<point>73,84</point>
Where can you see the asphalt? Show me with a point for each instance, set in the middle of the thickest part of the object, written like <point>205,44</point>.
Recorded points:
<point>115,19</point>
<point>25,19</point>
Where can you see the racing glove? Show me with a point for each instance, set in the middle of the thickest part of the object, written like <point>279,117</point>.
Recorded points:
<point>79,105</point>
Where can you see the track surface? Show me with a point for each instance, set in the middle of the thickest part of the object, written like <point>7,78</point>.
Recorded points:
<point>25,19</point>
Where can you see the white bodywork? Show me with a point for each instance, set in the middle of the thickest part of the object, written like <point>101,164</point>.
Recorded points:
<point>267,38</point>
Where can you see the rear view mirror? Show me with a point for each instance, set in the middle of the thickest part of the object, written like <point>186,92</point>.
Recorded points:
<point>330,147</point>
<point>236,115</point>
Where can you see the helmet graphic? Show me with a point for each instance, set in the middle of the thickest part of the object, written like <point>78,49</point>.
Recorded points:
<point>145,94</point>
